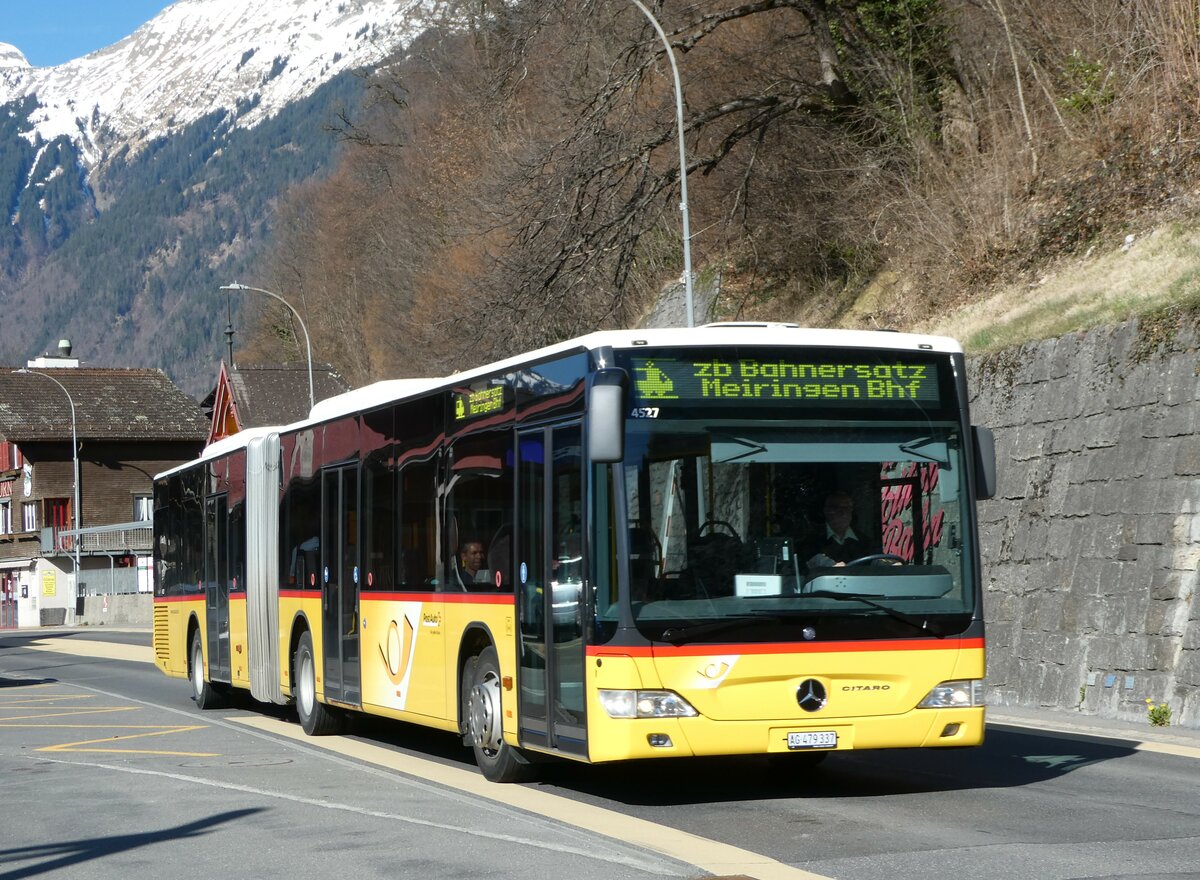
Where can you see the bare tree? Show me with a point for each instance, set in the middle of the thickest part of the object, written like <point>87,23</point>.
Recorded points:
<point>513,178</point>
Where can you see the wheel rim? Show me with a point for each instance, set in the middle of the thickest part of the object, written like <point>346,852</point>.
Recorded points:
<point>307,687</point>
<point>484,705</point>
<point>197,669</point>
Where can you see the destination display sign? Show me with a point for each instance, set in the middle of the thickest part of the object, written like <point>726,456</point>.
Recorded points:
<point>849,381</point>
<point>473,404</point>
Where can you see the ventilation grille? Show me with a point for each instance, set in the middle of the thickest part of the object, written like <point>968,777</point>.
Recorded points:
<point>162,639</point>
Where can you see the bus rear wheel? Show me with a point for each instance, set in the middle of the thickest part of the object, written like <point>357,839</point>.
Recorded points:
<point>316,718</point>
<point>498,761</point>
<point>205,693</point>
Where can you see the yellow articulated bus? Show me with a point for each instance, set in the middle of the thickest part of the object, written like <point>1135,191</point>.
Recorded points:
<point>729,540</point>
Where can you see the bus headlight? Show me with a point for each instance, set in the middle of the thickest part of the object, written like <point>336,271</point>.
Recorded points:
<point>954,695</point>
<point>645,704</point>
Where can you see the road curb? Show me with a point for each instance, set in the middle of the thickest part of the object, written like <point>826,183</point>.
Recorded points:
<point>1183,745</point>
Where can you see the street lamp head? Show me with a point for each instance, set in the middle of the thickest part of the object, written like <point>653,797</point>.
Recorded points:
<point>312,399</point>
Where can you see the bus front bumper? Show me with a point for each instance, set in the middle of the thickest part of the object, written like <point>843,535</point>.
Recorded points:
<point>614,739</point>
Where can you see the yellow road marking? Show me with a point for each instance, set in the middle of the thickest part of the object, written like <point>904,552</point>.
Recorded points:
<point>99,711</point>
<point>88,648</point>
<point>43,685</point>
<point>710,855</point>
<point>50,701</point>
<point>1169,749</point>
<point>53,698</point>
<point>152,731</point>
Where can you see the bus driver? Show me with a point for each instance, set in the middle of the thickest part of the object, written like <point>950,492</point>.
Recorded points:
<point>839,543</point>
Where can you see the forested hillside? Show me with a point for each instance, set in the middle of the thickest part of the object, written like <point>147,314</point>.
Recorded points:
<point>515,180</point>
<point>41,217</point>
<point>128,264</point>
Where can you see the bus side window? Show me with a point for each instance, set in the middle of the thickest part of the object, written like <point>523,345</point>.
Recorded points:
<point>479,497</point>
<point>418,525</point>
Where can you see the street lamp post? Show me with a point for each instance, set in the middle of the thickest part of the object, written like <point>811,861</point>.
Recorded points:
<point>74,459</point>
<point>307,345</point>
<point>683,198</point>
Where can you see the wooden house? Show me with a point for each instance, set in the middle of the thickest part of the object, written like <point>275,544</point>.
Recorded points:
<point>127,425</point>
<point>271,394</point>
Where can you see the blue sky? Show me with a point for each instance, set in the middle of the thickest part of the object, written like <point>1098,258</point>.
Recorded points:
<point>50,32</point>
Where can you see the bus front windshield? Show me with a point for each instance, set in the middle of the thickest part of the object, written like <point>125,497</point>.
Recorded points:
<point>787,530</point>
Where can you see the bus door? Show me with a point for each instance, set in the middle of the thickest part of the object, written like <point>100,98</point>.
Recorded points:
<point>550,595</point>
<point>216,585</point>
<point>339,583</point>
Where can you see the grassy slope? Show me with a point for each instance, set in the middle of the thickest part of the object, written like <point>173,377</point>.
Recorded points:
<point>1158,270</point>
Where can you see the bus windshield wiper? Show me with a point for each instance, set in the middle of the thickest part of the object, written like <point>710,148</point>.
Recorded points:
<point>921,623</point>
<point>911,448</point>
<point>752,447</point>
<point>682,634</point>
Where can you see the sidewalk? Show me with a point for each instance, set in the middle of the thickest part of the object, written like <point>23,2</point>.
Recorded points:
<point>46,631</point>
<point>1066,723</point>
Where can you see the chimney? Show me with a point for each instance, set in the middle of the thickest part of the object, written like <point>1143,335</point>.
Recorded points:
<point>61,359</point>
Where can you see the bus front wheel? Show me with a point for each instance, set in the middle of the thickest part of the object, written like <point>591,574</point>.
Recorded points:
<point>316,718</point>
<point>204,692</point>
<point>497,760</point>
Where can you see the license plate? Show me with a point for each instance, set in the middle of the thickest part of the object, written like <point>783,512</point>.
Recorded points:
<point>812,739</point>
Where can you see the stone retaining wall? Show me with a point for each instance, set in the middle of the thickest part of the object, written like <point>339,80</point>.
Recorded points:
<point>1091,545</point>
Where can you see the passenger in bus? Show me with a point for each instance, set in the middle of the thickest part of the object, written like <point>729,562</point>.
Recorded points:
<point>472,564</point>
<point>838,543</point>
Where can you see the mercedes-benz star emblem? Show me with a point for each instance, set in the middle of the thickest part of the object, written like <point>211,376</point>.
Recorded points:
<point>811,695</point>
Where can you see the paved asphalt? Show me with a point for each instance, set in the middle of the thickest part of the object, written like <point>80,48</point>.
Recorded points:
<point>1051,795</point>
<point>1017,717</point>
<point>100,784</point>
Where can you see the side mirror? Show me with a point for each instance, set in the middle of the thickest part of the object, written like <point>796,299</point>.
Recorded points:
<point>606,416</point>
<point>984,443</point>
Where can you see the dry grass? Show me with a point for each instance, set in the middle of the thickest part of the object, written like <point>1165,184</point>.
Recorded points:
<point>1157,270</point>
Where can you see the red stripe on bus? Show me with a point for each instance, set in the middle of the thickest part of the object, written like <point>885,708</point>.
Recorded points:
<point>708,650</point>
<point>448,598</point>
<point>191,597</point>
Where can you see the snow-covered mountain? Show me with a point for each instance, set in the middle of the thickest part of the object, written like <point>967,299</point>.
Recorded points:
<point>197,56</point>
<point>137,180</point>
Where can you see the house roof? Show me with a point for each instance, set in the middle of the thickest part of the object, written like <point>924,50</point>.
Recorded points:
<point>277,394</point>
<point>110,404</point>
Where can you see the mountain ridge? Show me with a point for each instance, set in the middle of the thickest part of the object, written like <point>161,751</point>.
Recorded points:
<point>138,179</point>
<point>200,55</point>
